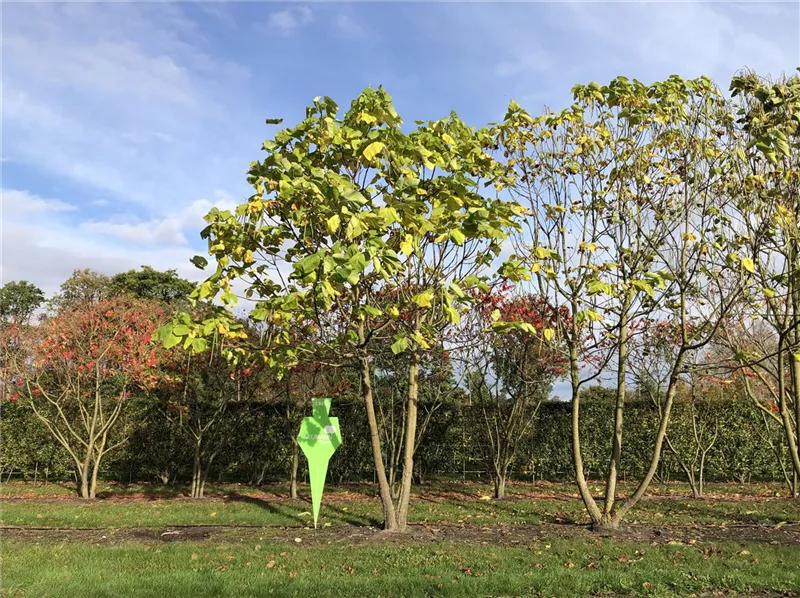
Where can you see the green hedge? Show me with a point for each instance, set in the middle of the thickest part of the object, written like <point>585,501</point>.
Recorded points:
<point>255,443</point>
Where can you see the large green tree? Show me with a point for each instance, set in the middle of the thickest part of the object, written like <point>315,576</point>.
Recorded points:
<point>361,236</point>
<point>155,285</point>
<point>19,300</point>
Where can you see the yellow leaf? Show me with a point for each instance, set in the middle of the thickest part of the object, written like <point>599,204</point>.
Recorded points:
<point>407,245</point>
<point>535,268</point>
<point>548,333</point>
<point>372,150</point>
<point>748,265</point>
<point>424,298</point>
<point>447,139</point>
<point>333,223</point>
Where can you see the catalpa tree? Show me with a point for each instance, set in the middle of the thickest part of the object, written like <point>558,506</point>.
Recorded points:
<point>361,237</point>
<point>629,217</point>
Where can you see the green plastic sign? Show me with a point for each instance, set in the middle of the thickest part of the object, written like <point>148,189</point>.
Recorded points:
<point>319,438</point>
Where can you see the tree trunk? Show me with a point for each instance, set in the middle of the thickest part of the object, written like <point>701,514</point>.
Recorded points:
<point>500,483</point>
<point>577,457</point>
<point>196,470</point>
<point>616,447</point>
<point>655,458</point>
<point>696,492</point>
<point>295,466</point>
<point>410,442</point>
<point>83,472</point>
<point>389,517</point>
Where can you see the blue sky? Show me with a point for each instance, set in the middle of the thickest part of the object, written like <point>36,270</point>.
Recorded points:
<point>123,123</point>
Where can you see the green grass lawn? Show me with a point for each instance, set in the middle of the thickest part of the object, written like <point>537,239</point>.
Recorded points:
<point>527,545</point>
<point>557,568</point>
<point>243,509</point>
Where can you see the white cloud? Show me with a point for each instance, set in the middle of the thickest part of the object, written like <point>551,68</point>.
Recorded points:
<point>694,38</point>
<point>16,202</point>
<point>162,232</point>
<point>45,250</point>
<point>347,27</point>
<point>287,21</point>
<point>120,97</point>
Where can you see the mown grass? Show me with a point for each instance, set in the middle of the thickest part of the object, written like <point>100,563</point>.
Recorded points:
<point>364,510</point>
<point>558,568</point>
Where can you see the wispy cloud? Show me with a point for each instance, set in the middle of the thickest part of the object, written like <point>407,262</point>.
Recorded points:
<point>117,97</point>
<point>16,202</point>
<point>348,27</point>
<point>289,20</point>
<point>168,231</point>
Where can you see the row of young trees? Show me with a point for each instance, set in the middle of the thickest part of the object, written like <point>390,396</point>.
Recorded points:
<point>649,222</point>
<point>653,231</point>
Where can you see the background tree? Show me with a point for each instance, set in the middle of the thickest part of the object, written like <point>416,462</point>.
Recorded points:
<point>19,300</point>
<point>625,189</point>
<point>510,374</point>
<point>155,285</point>
<point>84,286</point>
<point>769,212</point>
<point>77,371</point>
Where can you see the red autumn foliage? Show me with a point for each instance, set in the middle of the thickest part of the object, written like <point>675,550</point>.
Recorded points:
<point>549,357</point>
<point>102,345</point>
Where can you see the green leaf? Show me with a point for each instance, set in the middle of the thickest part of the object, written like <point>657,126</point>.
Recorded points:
<point>199,345</point>
<point>274,121</point>
<point>307,265</point>
<point>644,286</point>
<point>171,340</point>
<point>400,344</point>
<point>589,315</point>
<point>180,330</point>
<point>781,143</point>
<point>355,227</point>
<point>596,287</point>
<point>372,150</point>
<point>541,253</point>
<point>452,315</point>
<point>373,311</point>
<point>457,236</point>
<point>457,290</point>
<point>199,261</point>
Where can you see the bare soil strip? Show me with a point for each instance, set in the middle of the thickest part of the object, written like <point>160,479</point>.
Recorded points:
<point>495,535</point>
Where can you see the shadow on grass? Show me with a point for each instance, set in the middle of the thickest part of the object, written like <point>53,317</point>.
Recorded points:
<point>147,492</point>
<point>714,512</point>
<point>273,508</point>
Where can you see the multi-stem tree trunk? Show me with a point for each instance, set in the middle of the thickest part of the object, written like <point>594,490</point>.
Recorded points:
<point>410,440</point>
<point>389,515</point>
<point>295,467</point>
<point>619,409</point>
<point>200,468</point>
<point>499,477</point>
